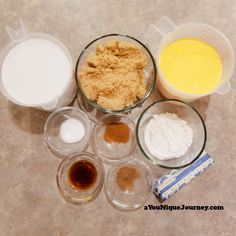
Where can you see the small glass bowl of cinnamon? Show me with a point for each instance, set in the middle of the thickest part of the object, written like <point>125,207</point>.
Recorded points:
<point>114,137</point>
<point>129,184</point>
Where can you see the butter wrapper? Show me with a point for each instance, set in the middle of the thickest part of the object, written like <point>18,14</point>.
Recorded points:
<point>169,184</point>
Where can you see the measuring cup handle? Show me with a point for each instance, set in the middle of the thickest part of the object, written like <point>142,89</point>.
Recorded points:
<point>164,26</point>
<point>223,89</point>
<point>17,35</point>
<point>156,32</point>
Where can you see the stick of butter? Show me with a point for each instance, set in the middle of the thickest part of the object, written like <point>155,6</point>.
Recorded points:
<point>169,184</point>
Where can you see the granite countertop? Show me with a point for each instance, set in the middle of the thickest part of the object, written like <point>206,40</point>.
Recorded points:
<point>30,203</point>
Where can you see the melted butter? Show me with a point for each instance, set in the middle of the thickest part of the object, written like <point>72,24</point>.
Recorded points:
<point>191,65</point>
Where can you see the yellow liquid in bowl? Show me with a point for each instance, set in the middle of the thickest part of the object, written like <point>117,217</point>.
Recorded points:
<point>191,65</point>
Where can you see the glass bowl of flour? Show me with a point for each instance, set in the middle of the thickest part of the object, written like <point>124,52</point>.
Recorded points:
<point>171,133</point>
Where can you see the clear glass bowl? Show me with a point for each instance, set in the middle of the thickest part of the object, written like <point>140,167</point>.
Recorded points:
<point>92,108</point>
<point>52,131</point>
<point>183,111</point>
<point>72,195</point>
<point>131,198</point>
<point>113,151</point>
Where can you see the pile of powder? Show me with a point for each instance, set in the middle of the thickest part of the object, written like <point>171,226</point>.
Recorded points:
<point>114,75</point>
<point>72,130</point>
<point>126,177</point>
<point>167,136</point>
<point>117,132</point>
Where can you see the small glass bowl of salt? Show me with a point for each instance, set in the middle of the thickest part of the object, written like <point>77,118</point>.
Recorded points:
<point>67,131</point>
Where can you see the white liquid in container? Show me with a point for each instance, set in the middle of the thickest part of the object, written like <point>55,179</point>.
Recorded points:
<point>35,71</point>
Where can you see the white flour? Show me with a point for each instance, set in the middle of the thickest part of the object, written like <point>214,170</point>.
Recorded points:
<point>168,136</point>
<point>35,71</point>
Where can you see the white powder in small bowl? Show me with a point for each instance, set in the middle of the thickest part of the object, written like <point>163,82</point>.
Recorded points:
<point>72,130</point>
<point>167,136</point>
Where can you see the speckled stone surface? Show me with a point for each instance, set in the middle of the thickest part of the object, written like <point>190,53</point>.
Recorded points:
<point>29,201</point>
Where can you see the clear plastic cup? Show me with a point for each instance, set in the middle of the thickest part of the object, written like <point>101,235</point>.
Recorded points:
<point>167,32</point>
<point>66,96</point>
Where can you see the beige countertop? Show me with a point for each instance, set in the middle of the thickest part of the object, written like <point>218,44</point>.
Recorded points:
<point>30,203</point>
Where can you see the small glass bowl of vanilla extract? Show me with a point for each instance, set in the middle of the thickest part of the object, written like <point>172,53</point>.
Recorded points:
<point>80,178</point>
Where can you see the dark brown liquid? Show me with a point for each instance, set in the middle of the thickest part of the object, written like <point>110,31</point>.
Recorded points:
<point>82,175</point>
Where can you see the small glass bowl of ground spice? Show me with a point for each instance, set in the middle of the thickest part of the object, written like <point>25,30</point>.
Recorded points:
<point>113,137</point>
<point>80,178</point>
<point>128,184</point>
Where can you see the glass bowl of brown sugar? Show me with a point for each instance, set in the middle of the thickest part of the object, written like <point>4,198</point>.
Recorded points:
<point>114,137</point>
<point>115,73</point>
<point>128,184</point>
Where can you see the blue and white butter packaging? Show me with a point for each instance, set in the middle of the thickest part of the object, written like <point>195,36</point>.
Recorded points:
<point>169,184</point>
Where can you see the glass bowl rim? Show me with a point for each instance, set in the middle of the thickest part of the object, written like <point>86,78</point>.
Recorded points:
<point>133,132</point>
<point>52,115</point>
<point>96,191</point>
<point>155,163</point>
<point>126,109</point>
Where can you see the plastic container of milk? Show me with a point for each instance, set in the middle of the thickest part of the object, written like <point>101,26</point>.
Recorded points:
<point>165,32</point>
<point>36,71</point>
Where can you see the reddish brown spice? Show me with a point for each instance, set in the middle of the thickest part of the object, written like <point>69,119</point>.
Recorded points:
<point>117,132</point>
<point>126,177</point>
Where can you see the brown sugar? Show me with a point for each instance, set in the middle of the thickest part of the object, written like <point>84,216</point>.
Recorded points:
<point>113,76</point>
<point>117,132</point>
<point>126,176</point>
